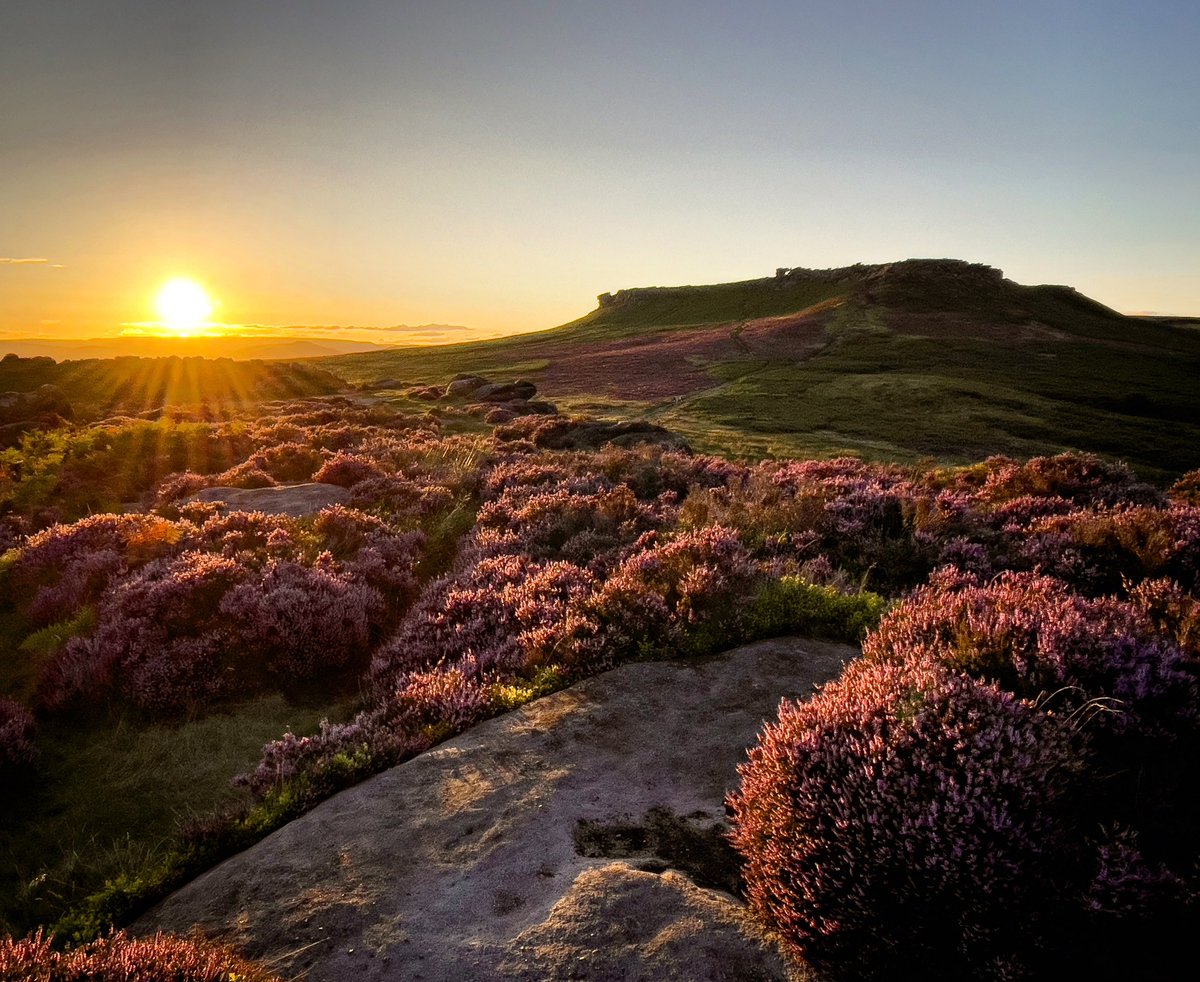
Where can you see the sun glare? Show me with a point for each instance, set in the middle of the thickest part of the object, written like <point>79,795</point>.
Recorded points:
<point>183,305</point>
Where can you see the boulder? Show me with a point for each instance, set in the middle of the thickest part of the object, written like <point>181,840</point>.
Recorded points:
<point>505,391</point>
<point>296,499</point>
<point>580,836</point>
<point>462,386</point>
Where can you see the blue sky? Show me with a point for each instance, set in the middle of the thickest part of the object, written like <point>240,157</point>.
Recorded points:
<point>498,164</point>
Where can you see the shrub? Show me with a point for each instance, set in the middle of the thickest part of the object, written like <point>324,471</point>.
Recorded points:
<point>120,958</point>
<point>1036,637</point>
<point>244,475</point>
<point>17,748</point>
<point>791,605</point>
<point>302,621</point>
<point>668,598</point>
<point>1101,551</point>
<point>347,469</point>
<point>909,822</point>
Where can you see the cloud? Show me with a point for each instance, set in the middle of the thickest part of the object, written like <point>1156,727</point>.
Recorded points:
<point>29,261</point>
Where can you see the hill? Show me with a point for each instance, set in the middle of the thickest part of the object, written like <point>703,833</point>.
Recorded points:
<point>917,359</point>
<point>98,387</point>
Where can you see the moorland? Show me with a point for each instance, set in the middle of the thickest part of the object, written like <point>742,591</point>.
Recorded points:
<point>991,487</point>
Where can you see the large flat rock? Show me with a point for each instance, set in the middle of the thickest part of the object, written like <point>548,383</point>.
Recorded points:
<point>464,863</point>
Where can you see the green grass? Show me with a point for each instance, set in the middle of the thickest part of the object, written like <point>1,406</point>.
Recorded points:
<point>108,802</point>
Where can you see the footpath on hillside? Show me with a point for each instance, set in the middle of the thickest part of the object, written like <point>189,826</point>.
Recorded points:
<point>578,837</point>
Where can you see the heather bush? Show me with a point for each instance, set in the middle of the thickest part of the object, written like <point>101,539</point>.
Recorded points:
<point>1186,491</point>
<point>681,596</point>
<point>17,727</point>
<point>1082,479</point>
<point>580,526</point>
<point>290,461</point>
<point>347,469</point>
<point>175,487</point>
<point>66,567</point>
<point>160,641</point>
<point>120,958</point>
<point>504,611</point>
<point>1102,550</point>
<point>244,475</point>
<point>910,821</point>
<point>302,621</point>
<point>1035,636</point>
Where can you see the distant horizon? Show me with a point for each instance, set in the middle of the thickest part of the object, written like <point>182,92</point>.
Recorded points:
<point>402,335</point>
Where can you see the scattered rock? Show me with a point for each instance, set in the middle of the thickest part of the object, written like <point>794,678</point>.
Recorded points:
<point>428,392</point>
<point>504,391</point>
<point>295,499</point>
<point>463,385</point>
<point>492,855</point>
<point>384,383</point>
<point>500,415</point>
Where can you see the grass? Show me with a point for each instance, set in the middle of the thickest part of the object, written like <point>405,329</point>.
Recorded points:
<point>108,802</point>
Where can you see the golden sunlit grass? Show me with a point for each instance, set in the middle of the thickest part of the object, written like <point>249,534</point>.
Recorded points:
<point>184,306</point>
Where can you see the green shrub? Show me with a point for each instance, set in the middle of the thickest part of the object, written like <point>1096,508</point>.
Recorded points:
<point>791,605</point>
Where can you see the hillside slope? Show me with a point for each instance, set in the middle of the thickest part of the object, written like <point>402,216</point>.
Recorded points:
<point>921,358</point>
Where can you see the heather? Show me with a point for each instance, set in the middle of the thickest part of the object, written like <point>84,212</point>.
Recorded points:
<point>474,569</point>
<point>119,958</point>
<point>1004,786</point>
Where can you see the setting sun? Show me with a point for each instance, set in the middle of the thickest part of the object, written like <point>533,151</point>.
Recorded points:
<point>183,305</point>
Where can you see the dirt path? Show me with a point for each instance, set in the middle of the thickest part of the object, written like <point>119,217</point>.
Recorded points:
<point>540,845</point>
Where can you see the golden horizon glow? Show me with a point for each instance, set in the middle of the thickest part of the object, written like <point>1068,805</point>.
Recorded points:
<point>184,306</point>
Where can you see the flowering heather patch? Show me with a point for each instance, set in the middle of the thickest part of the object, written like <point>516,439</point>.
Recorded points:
<point>502,611</point>
<point>289,462</point>
<point>909,821</point>
<point>347,469</point>
<point>120,958</point>
<point>1186,491</point>
<point>17,727</point>
<point>67,566</point>
<point>673,597</point>
<point>302,621</point>
<point>1101,550</point>
<point>1172,612</point>
<point>1036,637</point>
<point>245,475</point>
<point>175,487</point>
<point>582,527</point>
<point>1082,479</point>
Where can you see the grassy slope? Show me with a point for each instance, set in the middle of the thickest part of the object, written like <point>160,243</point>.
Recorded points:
<point>922,365</point>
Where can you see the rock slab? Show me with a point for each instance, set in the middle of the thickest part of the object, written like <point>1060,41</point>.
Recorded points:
<point>463,863</point>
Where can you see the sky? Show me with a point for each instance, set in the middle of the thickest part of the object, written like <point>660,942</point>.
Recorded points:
<point>497,164</point>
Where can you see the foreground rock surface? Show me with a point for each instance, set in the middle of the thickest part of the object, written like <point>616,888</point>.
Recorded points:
<point>465,863</point>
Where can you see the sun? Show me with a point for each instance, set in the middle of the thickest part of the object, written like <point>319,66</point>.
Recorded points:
<point>183,305</point>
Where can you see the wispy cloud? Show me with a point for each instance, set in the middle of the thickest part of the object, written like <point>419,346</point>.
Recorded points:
<point>29,261</point>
